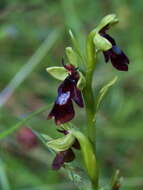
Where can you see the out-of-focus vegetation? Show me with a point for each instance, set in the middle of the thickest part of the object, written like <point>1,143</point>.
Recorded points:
<point>33,35</point>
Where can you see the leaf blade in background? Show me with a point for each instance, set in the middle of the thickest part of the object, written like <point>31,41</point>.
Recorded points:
<point>22,122</point>
<point>29,66</point>
<point>4,184</point>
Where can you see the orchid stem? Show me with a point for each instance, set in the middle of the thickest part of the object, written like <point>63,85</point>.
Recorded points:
<point>89,98</point>
<point>88,92</point>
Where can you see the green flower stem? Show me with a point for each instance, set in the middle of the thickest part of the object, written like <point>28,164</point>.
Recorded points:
<point>87,91</point>
<point>89,105</point>
<point>89,99</point>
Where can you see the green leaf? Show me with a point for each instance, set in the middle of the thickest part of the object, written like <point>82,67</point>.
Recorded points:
<point>22,122</point>
<point>59,73</point>
<point>62,143</point>
<point>72,56</point>
<point>81,82</point>
<point>88,154</point>
<point>109,20</point>
<point>27,68</point>
<point>4,184</point>
<point>101,43</point>
<point>104,90</point>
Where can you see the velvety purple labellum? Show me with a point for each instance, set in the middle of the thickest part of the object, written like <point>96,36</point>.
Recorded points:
<point>58,161</point>
<point>63,109</point>
<point>62,113</point>
<point>118,58</point>
<point>62,157</point>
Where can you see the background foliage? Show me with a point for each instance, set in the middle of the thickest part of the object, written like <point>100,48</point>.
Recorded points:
<point>33,35</point>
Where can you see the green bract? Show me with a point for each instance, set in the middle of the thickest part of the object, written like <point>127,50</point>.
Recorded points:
<point>74,40</point>
<point>59,73</point>
<point>108,20</point>
<point>62,143</point>
<point>88,154</point>
<point>72,57</point>
<point>104,90</point>
<point>101,43</point>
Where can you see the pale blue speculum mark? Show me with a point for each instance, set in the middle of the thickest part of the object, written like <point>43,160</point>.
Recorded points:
<point>117,50</point>
<point>62,99</point>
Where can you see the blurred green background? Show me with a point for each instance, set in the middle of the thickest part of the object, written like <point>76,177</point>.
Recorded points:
<point>33,36</point>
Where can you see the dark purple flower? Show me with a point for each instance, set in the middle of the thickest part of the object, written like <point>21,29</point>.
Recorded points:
<point>118,58</point>
<point>65,156</point>
<point>62,157</point>
<point>63,110</point>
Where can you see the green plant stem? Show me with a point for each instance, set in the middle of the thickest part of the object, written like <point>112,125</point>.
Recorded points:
<point>89,98</point>
<point>89,105</point>
<point>88,92</point>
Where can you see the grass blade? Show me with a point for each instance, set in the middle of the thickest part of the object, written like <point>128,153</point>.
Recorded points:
<point>29,66</point>
<point>22,122</point>
<point>4,184</point>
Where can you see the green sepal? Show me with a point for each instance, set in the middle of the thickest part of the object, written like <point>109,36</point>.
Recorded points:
<point>72,56</point>
<point>59,73</point>
<point>81,82</point>
<point>104,90</point>
<point>108,20</point>
<point>101,43</point>
<point>88,154</point>
<point>62,143</point>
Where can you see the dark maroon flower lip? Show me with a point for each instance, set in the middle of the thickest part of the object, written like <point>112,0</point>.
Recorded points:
<point>62,110</point>
<point>117,57</point>
<point>62,157</point>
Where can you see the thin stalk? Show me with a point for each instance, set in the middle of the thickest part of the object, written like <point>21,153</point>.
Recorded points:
<point>26,70</point>
<point>22,122</point>
<point>88,92</point>
<point>89,98</point>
